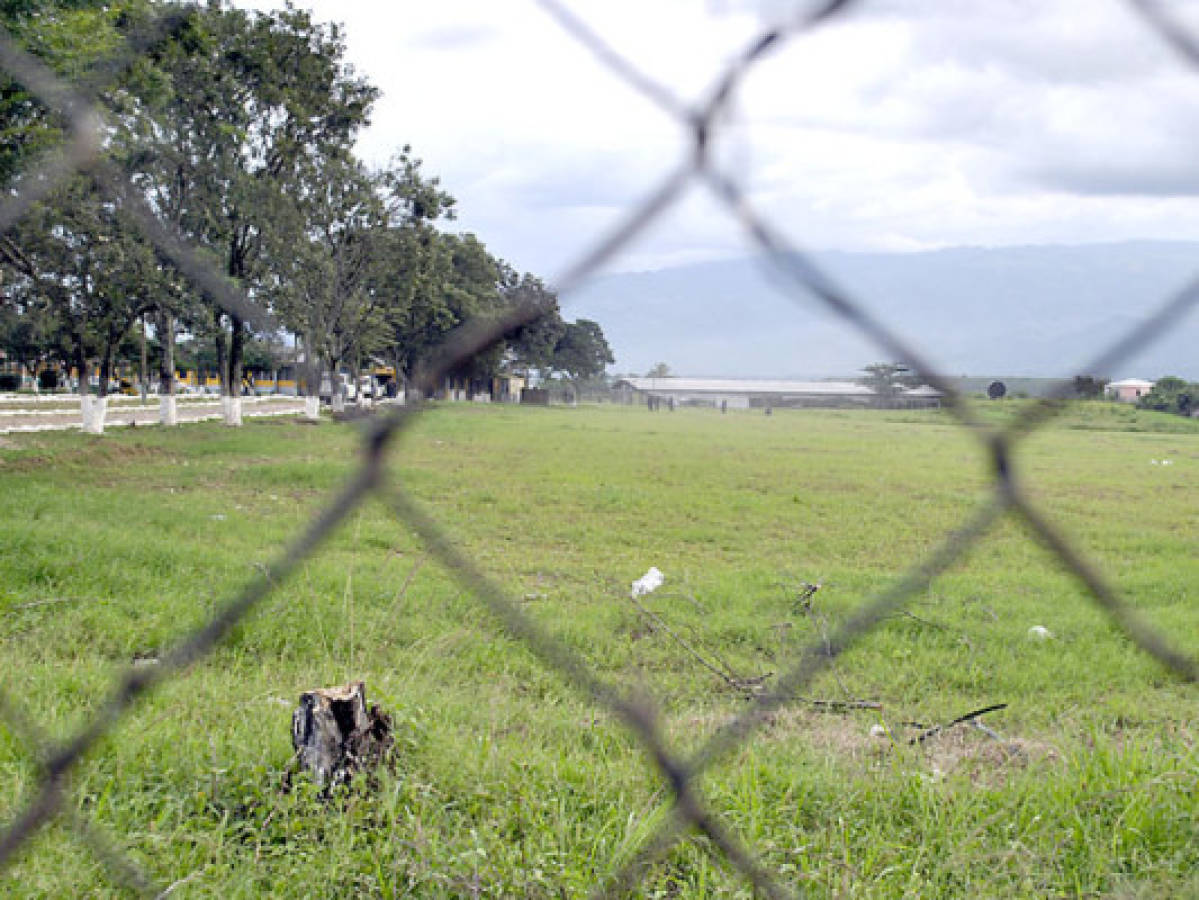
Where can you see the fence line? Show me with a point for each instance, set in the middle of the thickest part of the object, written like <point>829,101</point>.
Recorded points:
<point>83,152</point>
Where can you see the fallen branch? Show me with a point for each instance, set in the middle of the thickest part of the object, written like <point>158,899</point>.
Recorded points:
<point>803,603</point>
<point>412,573</point>
<point>837,705</point>
<point>989,732</point>
<point>970,716</point>
<point>932,624</point>
<point>745,685</point>
<point>915,618</point>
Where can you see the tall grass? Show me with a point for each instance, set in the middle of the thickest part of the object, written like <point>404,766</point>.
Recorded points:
<point>508,783</point>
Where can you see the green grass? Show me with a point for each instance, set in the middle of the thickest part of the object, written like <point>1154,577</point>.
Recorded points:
<point>507,781</point>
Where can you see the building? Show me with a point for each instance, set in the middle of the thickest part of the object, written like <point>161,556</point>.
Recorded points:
<point>503,388</point>
<point>1129,390</point>
<point>741,393</point>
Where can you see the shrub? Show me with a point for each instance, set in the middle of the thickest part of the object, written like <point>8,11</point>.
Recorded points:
<point>1171,394</point>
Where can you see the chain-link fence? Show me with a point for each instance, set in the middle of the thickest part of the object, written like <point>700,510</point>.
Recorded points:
<point>701,121</point>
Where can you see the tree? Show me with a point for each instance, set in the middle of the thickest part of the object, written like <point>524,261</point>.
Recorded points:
<point>322,270</point>
<point>532,345</point>
<point>450,279</point>
<point>1171,394</point>
<point>256,107</point>
<point>582,351</point>
<point>660,370</point>
<point>1088,387</point>
<point>238,128</point>
<point>57,264</point>
<point>85,267</point>
<point>471,292</point>
<point>76,38</point>
<point>28,333</point>
<point>888,380</point>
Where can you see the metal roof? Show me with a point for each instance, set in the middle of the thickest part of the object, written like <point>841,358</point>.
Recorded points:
<point>757,386</point>
<point>1131,382</point>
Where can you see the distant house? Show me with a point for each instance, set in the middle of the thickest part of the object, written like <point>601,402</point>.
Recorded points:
<point>1129,390</point>
<point>504,388</point>
<point>741,393</point>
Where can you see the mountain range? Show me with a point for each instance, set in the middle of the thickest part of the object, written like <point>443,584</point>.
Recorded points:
<point>1038,311</point>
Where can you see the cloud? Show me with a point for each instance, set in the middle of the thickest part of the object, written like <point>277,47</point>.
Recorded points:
<point>905,124</point>
<point>453,37</point>
<point>1122,178</point>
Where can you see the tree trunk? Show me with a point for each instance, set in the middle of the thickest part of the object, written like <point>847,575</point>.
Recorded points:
<point>335,735</point>
<point>167,410</point>
<point>312,408</point>
<point>237,347</point>
<point>361,398</point>
<point>86,400</point>
<point>143,375</point>
<point>400,380</point>
<point>231,411</point>
<point>311,376</point>
<point>231,402</point>
<point>100,402</point>
<point>218,340</point>
<point>337,392</point>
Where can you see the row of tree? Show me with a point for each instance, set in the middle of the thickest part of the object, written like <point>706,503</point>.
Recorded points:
<point>237,131</point>
<point>1172,394</point>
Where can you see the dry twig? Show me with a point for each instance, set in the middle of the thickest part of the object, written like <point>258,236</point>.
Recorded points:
<point>747,686</point>
<point>968,717</point>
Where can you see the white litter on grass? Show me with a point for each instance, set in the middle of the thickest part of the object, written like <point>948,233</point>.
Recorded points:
<point>877,730</point>
<point>1040,633</point>
<point>647,583</point>
<point>1161,462</point>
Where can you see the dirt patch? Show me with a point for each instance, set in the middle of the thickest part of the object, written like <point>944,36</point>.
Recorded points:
<point>846,738</point>
<point>967,752</point>
<point>862,740</point>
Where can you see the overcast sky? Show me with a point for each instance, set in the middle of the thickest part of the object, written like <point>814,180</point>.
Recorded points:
<point>903,125</point>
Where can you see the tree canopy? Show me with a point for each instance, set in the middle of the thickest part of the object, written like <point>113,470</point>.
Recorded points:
<point>237,129</point>
<point>1172,394</point>
<point>888,379</point>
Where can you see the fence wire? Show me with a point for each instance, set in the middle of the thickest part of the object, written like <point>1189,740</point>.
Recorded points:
<point>83,110</point>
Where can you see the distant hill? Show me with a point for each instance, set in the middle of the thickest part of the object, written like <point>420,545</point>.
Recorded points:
<point>1035,311</point>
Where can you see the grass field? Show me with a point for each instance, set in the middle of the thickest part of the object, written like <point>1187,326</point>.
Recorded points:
<point>506,781</point>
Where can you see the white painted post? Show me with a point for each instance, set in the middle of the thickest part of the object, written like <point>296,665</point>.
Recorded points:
<point>168,410</point>
<point>231,411</point>
<point>94,414</point>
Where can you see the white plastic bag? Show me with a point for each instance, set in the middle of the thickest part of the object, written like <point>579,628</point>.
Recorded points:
<point>650,581</point>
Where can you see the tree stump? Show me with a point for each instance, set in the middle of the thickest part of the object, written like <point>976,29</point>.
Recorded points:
<point>335,735</point>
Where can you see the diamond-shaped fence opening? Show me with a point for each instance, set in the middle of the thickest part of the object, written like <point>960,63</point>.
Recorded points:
<point>83,150</point>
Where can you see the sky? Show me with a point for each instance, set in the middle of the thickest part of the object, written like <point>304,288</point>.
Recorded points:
<point>903,125</point>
